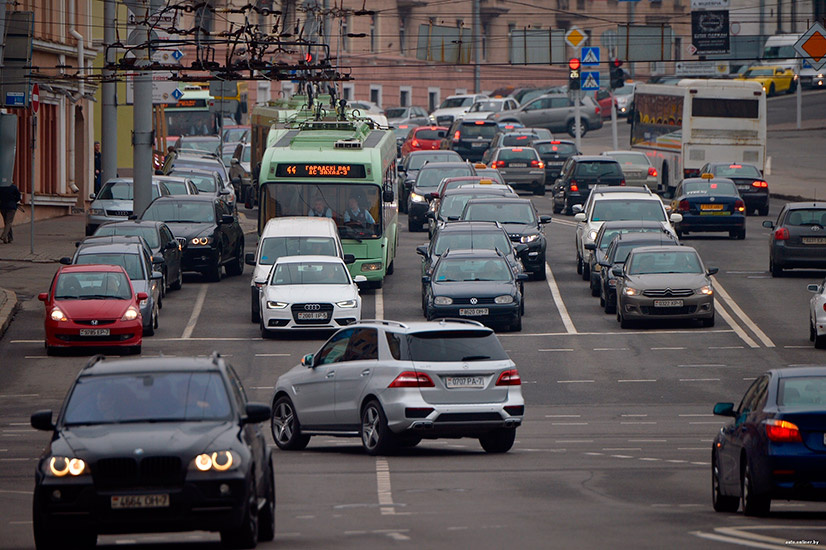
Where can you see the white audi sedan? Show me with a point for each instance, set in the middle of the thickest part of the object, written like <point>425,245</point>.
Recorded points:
<point>309,292</point>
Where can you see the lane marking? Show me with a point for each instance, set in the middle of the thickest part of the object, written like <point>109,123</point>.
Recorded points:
<point>699,379</point>
<point>742,314</point>
<point>379,303</point>
<point>797,347</point>
<point>574,381</point>
<point>695,414</point>
<point>647,441</point>
<point>725,347</point>
<point>573,441</point>
<point>563,416</point>
<point>36,357</point>
<point>610,349</point>
<point>262,387</point>
<point>383,488</point>
<point>639,380</point>
<point>564,222</point>
<point>569,423</point>
<point>708,422</point>
<point>736,327</point>
<point>700,365</point>
<point>667,348</point>
<point>622,449</point>
<point>734,540</point>
<point>634,415</point>
<point>555,349</point>
<point>638,422</point>
<point>196,312</point>
<point>13,395</point>
<point>560,305</point>
<point>273,354</point>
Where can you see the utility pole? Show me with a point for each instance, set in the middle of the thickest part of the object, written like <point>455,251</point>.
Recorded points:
<point>109,107</point>
<point>142,117</point>
<point>477,48</point>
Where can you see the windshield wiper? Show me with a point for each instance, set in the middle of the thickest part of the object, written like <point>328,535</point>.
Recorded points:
<point>96,297</point>
<point>475,357</point>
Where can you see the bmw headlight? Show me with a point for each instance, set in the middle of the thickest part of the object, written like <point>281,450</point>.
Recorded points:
<point>347,304</point>
<point>630,291</point>
<point>529,238</point>
<point>276,305</point>
<point>442,300</point>
<point>61,466</point>
<point>505,299</point>
<point>219,461</point>
<point>97,211</point>
<point>705,290</point>
<point>201,241</point>
<point>58,315</point>
<point>415,197</point>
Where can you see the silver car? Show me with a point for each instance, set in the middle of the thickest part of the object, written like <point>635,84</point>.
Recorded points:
<point>115,202</point>
<point>636,167</point>
<point>394,384</point>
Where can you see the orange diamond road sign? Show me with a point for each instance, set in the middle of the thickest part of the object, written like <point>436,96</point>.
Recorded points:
<point>575,37</point>
<point>812,46</point>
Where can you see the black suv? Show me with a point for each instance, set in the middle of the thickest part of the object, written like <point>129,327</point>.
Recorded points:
<point>554,153</point>
<point>154,445</point>
<point>410,166</point>
<point>207,229</point>
<point>578,174</point>
<point>427,182</point>
<point>470,138</point>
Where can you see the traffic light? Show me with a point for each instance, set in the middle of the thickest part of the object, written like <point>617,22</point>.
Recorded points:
<point>308,57</point>
<point>573,75</point>
<point>617,74</point>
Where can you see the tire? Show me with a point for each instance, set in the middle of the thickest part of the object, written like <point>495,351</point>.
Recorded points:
<point>771,90</point>
<point>624,323</point>
<point>594,289</point>
<point>408,441</point>
<point>376,436</point>
<point>163,286</point>
<point>265,333</point>
<point>572,127</point>
<point>411,226</point>
<point>246,535</point>
<point>50,350</point>
<point>775,269</point>
<point>539,189</point>
<point>266,517</point>
<point>540,275</point>
<point>556,208</point>
<point>135,350</point>
<point>498,441</point>
<point>820,342</point>
<point>763,210</point>
<point>391,267</point>
<point>741,235</point>
<point>812,333</point>
<point>236,266</point>
<point>586,271</point>
<point>178,283</point>
<point>719,501</point>
<point>610,307</point>
<point>153,324</point>
<point>213,273</point>
<point>516,326</point>
<point>285,427</point>
<point>50,539</point>
<point>753,504</point>
<point>578,264</point>
<point>679,233</point>
<point>708,322</point>
<point>792,86</point>
<point>601,300</point>
<point>255,314</point>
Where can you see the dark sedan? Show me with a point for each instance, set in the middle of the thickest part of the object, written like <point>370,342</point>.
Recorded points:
<point>208,231</point>
<point>154,445</point>
<point>427,181</point>
<point>450,206</point>
<point>709,204</point>
<point>749,181</point>
<point>554,153</point>
<point>474,284</point>
<point>410,166</point>
<point>774,448</point>
<point>799,237</point>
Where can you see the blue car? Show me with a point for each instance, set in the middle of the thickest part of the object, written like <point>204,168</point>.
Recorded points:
<point>775,447</point>
<point>709,204</point>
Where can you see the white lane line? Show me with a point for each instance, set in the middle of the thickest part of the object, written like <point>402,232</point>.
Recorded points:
<point>750,378</point>
<point>622,449</point>
<point>563,416</point>
<point>556,349</point>
<point>610,349</point>
<point>736,327</point>
<point>647,441</point>
<point>708,422</point>
<point>651,459</point>
<point>13,395</point>
<point>574,381</point>
<point>667,349</point>
<point>565,222</point>
<point>734,540</point>
<point>638,422</point>
<point>638,380</point>
<point>383,488</point>
<point>692,448</point>
<point>725,347</point>
<point>273,354</point>
<point>742,315</point>
<point>560,305</point>
<point>699,379</point>
<point>621,456</point>
<point>36,357</point>
<point>694,414</point>
<point>569,423</point>
<point>573,441</point>
<point>262,387</point>
<point>633,415</point>
<point>700,365</point>
<point>379,303</point>
<point>196,312</point>
<point>785,347</point>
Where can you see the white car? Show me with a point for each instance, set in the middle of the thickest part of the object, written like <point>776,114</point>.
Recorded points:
<point>817,315</point>
<point>481,110</point>
<point>624,97</point>
<point>454,107</point>
<point>309,292</point>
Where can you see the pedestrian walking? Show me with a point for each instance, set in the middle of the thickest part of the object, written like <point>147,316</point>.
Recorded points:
<point>98,169</point>
<point>9,199</point>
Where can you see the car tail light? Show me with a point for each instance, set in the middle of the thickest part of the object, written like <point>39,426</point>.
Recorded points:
<point>497,164</point>
<point>415,143</point>
<point>411,379</point>
<point>691,173</point>
<point>509,377</point>
<point>782,234</point>
<point>622,181</point>
<point>684,206</point>
<point>574,187</point>
<point>739,205</point>
<point>479,122</point>
<point>783,431</point>
<point>517,149</point>
<point>760,184</point>
<point>457,135</point>
<point>652,171</point>
<point>735,166</point>
<point>556,142</point>
<point>537,164</point>
<point>596,109</point>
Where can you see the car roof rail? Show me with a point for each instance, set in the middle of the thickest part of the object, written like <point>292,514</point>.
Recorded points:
<point>444,320</point>
<point>385,322</point>
<point>95,359</point>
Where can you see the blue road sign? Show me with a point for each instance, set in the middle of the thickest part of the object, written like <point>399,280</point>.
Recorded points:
<point>590,57</point>
<point>15,99</point>
<point>177,55</point>
<point>589,81</point>
<point>176,93</point>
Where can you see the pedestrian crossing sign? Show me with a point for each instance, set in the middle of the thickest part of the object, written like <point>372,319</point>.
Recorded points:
<point>590,57</point>
<point>590,81</point>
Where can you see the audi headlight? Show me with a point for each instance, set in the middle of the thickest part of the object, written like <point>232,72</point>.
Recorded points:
<point>276,305</point>
<point>58,315</point>
<point>630,291</point>
<point>442,301</point>
<point>592,234</point>
<point>529,238</point>
<point>705,290</point>
<point>347,304</point>
<point>131,314</point>
<point>61,466</point>
<point>201,241</point>
<point>219,461</point>
<point>505,299</point>
<point>96,211</point>
<point>415,197</point>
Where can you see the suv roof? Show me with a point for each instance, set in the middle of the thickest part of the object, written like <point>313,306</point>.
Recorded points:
<point>452,164</point>
<point>470,226</point>
<point>424,326</point>
<point>592,158</point>
<point>663,237</point>
<point>472,253</point>
<point>300,226</point>
<point>99,364</point>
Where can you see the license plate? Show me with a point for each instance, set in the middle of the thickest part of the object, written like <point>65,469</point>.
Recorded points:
<point>744,187</point>
<point>555,163</point>
<point>140,501</point>
<point>711,207</point>
<point>473,311</point>
<point>312,316</point>
<point>668,303</point>
<point>517,165</point>
<point>813,240</point>
<point>464,382</point>
<point>94,332</point>
<point>478,144</point>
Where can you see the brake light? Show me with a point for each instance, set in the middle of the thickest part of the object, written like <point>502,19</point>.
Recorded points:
<point>652,171</point>
<point>556,142</point>
<point>622,181</point>
<point>783,431</point>
<point>497,164</point>
<point>735,166</point>
<point>403,126</point>
<point>759,184</point>
<point>739,205</point>
<point>415,143</point>
<point>520,138</point>
<point>574,186</point>
<point>411,379</point>
<point>457,135</point>
<point>782,234</point>
<point>537,164</point>
<point>479,122</point>
<point>684,206</point>
<point>509,377</point>
<point>596,110</point>
<point>517,149</point>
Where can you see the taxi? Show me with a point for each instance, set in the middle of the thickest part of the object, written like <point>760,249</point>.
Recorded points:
<point>709,204</point>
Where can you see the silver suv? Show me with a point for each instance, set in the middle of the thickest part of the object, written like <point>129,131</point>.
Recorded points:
<point>394,384</point>
<point>115,202</point>
<point>556,113</point>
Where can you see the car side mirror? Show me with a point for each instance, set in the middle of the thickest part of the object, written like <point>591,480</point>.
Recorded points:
<point>402,169</point>
<point>141,296</point>
<point>255,413</point>
<point>233,160</point>
<point>65,260</point>
<point>453,218</point>
<point>590,246</point>
<point>349,259</point>
<point>712,270</point>
<point>430,215</point>
<point>42,420</point>
<point>810,288</point>
<point>308,360</point>
<point>157,259</point>
<point>577,208</point>
<point>603,263</point>
<point>223,192</point>
<point>520,248</point>
<point>617,271</point>
<point>580,217</point>
<point>92,196</point>
<point>249,259</point>
<point>387,195</point>
<point>227,219</point>
<point>426,279</point>
<point>725,409</point>
<point>421,250</point>
<point>768,224</point>
<point>675,218</point>
<point>545,218</point>
<point>522,277</point>
<point>157,276</point>
<point>359,279</point>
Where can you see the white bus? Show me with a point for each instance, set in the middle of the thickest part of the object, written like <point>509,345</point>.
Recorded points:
<point>697,121</point>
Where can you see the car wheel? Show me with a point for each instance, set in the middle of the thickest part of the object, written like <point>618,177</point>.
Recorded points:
<point>792,86</point>
<point>775,269</point>
<point>601,300</point>
<point>516,326</point>
<point>679,233</point>
<point>578,264</point>
<point>586,271</point>
<point>135,350</point>
<point>752,503</point>
<point>408,441</point>
<point>557,208</point>
<point>763,210</point>
<point>236,265</point>
<point>539,189</point>
<point>583,127</point>
<point>720,502</point>
<point>266,518</point>
<point>246,535</point>
<point>50,350</point>
<point>610,307</point>
<point>498,441</point>
<point>812,332</point>
<point>51,540</point>
<point>179,281</point>
<point>153,324</point>
<point>255,315</point>
<point>624,323</point>
<point>709,322</point>
<point>391,267</point>
<point>375,434</point>
<point>213,273</point>
<point>820,342</point>
<point>540,274</point>
<point>412,226</point>
<point>163,286</point>
<point>285,427</point>
<point>594,288</point>
<point>771,90</point>
<point>266,334</point>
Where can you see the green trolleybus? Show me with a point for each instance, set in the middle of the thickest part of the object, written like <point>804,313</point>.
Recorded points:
<point>342,169</point>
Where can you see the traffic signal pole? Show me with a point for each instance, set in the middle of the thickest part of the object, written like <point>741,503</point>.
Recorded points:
<point>575,86</point>
<point>614,121</point>
<point>578,119</point>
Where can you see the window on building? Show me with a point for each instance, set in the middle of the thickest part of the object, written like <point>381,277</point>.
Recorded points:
<point>562,4</point>
<point>580,4</point>
<point>345,28</point>
<point>433,99</point>
<point>374,32</point>
<point>347,92</point>
<point>402,34</point>
<point>375,94</point>
<point>404,96</point>
<point>484,36</point>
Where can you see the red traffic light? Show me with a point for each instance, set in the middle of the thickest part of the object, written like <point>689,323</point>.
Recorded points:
<point>617,63</point>
<point>308,57</point>
<point>574,63</point>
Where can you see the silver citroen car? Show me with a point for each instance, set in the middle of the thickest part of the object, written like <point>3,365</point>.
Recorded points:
<point>394,384</point>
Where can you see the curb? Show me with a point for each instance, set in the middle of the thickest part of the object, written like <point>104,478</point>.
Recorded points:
<point>7,310</point>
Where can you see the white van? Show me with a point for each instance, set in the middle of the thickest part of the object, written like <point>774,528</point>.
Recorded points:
<point>291,236</point>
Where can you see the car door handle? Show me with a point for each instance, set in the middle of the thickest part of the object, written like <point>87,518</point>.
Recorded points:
<point>365,372</point>
<point>330,374</point>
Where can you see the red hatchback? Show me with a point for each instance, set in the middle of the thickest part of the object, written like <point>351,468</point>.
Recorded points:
<point>423,138</point>
<point>92,306</point>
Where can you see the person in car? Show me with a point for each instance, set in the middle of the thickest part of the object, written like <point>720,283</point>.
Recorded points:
<point>319,209</point>
<point>357,215</point>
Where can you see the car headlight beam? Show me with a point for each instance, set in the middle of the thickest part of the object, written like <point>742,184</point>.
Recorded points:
<point>201,241</point>
<point>276,305</point>
<point>504,299</point>
<point>61,466</point>
<point>131,314</point>
<point>415,197</point>
<point>630,291</point>
<point>347,304</point>
<point>705,290</point>
<point>529,238</point>
<point>442,300</point>
<point>218,461</point>
<point>58,315</point>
